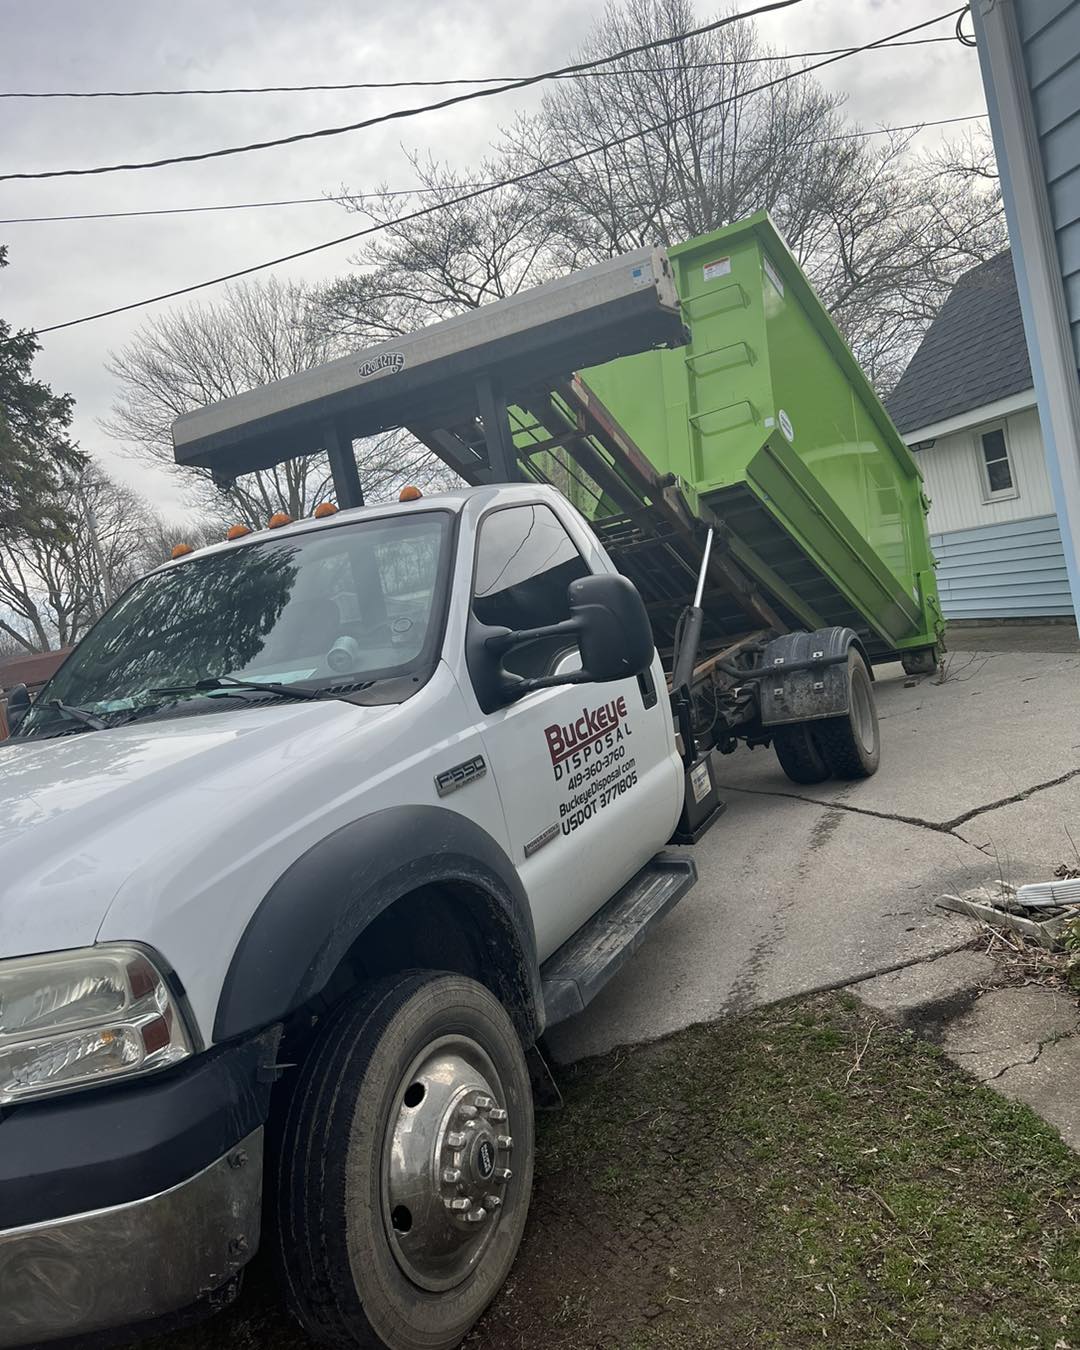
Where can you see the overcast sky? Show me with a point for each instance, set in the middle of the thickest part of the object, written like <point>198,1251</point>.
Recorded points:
<point>62,270</point>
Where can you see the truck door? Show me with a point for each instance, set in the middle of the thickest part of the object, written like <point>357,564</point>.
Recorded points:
<point>587,773</point>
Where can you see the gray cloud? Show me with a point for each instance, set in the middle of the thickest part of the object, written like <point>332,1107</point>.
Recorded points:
<point>59,271</point>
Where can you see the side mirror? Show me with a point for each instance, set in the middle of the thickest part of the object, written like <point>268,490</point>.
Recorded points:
<point>613,629</point>
<point>18,705</point>
<point>608,621</point>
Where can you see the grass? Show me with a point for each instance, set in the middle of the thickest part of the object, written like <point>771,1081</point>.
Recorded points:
<point>804,1176</point>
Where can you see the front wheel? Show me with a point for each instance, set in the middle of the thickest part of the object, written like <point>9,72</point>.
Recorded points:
<point>406,1166</point>
<point>851,745</point>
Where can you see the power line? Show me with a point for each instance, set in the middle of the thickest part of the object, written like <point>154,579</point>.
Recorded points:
<point>475,192</point>
<point>416,111</point>
<point>436,84</point>
<point>424,191</point>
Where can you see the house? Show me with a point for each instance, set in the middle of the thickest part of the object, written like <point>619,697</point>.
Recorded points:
<point>32,669</point>
<point>966,406</point>
<point>1029,56</point>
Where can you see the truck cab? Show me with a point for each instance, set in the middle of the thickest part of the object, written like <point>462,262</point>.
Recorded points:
<point>280,774</point>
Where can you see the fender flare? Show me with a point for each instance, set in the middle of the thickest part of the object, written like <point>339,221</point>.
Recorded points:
<point>310,918</point>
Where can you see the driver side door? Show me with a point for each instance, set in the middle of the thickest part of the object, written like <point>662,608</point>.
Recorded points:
<point>587,773</point>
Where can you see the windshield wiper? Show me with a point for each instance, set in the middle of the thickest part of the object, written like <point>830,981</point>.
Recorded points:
<point>77,715</point>
<point>227,682</point>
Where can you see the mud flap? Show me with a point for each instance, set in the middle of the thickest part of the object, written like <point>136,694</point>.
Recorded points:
<point>807,676</point>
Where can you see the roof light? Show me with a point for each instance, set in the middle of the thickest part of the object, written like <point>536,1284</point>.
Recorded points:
<point>324,509</point>
<point>237,531</point>
<point>278,519</point>
<point>409,494</point>
<point>180,550</point>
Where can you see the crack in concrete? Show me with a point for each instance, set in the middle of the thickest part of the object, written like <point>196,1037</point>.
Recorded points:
<point>1017,1063</point>
<point>937,826</point>
<point>1023,1063</point>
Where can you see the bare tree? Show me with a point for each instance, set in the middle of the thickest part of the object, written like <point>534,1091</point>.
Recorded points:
<point>52,588</point>
<point>712,128</point>
<point>449,261</point>
<point>259,332</point>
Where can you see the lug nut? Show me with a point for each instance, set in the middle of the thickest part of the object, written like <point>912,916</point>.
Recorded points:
<point>492,1201</point>
<point>451,1175</point>
<point>466,1112</point>
<point>502,1174</point>
<point>484,1103</point>
<point>459,1202</point>
<point>504,1141</point>
<point>496,1115</point>
<point>476,1215</point>
<point>455,1139</point>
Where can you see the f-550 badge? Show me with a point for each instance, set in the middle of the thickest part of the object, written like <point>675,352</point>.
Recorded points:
<point>461,775</point>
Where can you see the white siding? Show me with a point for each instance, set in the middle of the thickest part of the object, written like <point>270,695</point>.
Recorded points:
<point>954,484</point>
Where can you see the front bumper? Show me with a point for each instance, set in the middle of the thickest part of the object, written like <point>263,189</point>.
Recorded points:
<point>75,1276</point>
<point>124,1204</point>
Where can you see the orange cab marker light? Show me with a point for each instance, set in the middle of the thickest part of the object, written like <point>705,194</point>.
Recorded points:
<point>278,519</point>
<point>237,531</point>
<point>409,494</point>
<point>180,550</point>
<point>324,509</point>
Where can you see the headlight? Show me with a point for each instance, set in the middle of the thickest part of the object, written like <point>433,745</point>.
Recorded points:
<point>72,1019</point>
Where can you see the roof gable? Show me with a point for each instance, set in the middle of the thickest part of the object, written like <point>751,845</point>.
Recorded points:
<point>973,353</point>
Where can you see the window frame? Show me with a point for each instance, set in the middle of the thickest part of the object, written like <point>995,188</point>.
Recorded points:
<point>517,506</point>
<point>472,619</point>
<point>990,494</point>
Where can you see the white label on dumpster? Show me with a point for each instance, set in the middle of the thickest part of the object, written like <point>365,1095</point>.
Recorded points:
<point>772,274</point>
<point>718,268</point>
<point>785,425</point>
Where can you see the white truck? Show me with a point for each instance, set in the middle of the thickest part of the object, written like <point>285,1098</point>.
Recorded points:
<point>309,840</point>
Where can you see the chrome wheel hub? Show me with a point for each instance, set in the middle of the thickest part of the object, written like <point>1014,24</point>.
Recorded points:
<point>446,1163</point>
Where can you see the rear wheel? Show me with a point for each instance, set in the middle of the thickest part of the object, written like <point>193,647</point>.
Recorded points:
<point>406,1166</point>
<point>851,745</point>
<point>799,754</point>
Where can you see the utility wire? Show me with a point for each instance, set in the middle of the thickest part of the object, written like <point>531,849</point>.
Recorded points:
<point>424,191</point>
<point>961,36</point>
<point>475,192</point>
<point>416,111</point>
<point>436,84</point>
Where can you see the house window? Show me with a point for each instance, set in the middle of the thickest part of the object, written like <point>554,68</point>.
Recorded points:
<point>998,478</point>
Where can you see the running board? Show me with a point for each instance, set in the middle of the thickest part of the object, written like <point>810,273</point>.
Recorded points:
<point>574,975</point>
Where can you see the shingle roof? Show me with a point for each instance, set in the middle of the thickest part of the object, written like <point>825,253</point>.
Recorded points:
<point>973,353</point>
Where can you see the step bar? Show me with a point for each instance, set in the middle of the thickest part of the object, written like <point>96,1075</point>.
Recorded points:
<point>574,975</point>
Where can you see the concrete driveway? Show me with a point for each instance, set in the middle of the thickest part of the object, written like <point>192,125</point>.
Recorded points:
<point>804,888</point>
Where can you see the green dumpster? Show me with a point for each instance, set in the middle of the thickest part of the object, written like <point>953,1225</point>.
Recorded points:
<point>767,418</point>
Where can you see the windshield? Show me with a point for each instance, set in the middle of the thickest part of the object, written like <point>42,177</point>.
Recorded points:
<point>335,608</point>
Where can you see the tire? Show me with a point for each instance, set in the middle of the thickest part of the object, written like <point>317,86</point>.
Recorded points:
<point>370,1250</point>
<point>800,758</point>
<point>851,745</point>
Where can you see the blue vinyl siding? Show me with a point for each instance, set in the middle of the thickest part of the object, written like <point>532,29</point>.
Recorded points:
<point>1050,33</point>
<point>1012,570</point>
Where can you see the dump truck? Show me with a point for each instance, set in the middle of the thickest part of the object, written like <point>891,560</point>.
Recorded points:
<point>320,828</point>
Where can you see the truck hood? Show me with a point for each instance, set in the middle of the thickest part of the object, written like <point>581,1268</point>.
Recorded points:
<point>79,813</point>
